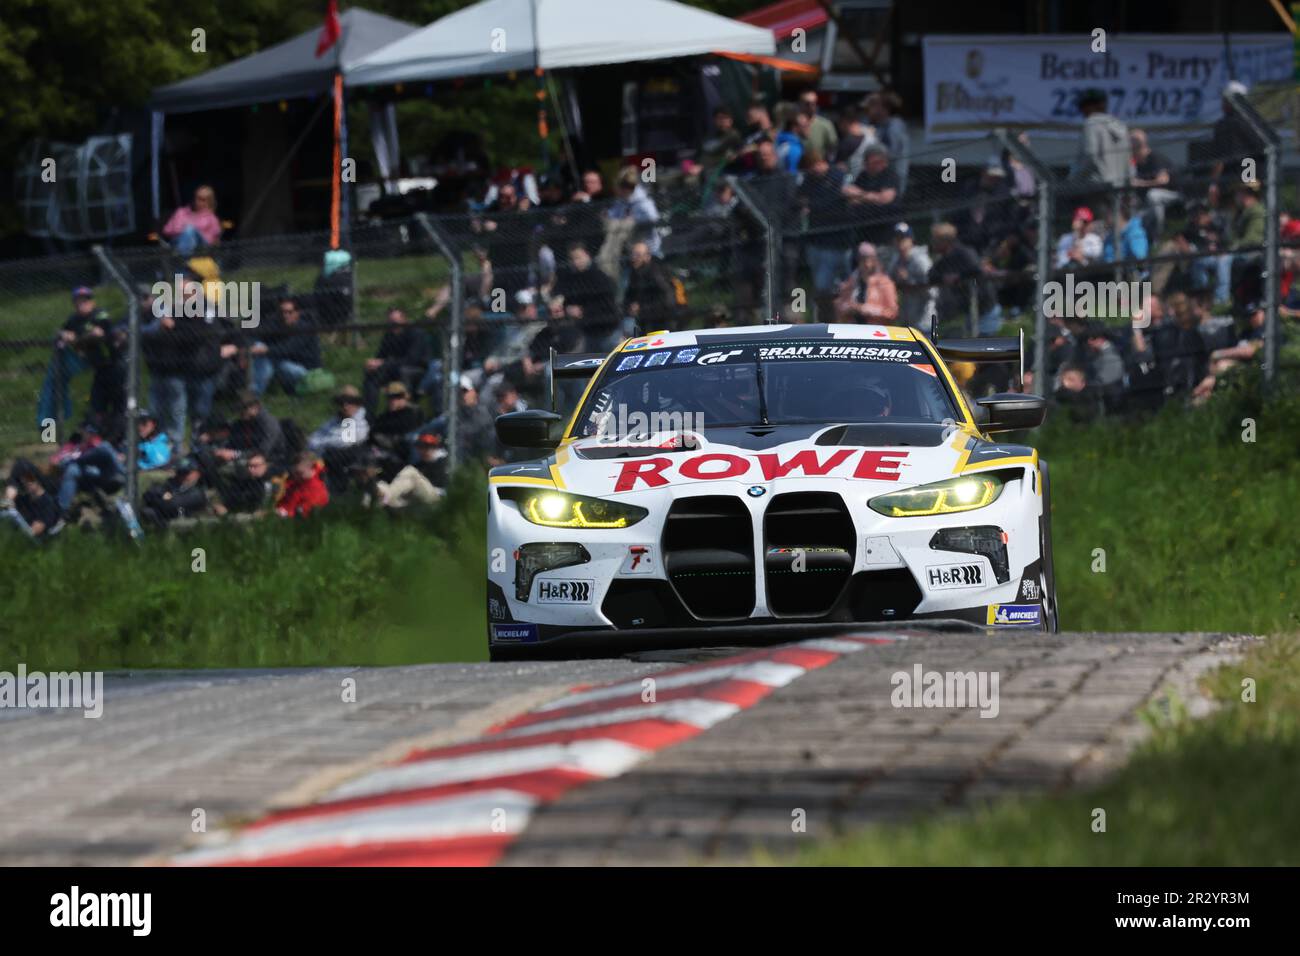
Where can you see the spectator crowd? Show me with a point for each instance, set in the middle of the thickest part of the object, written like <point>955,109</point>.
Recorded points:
<point>576,266</point>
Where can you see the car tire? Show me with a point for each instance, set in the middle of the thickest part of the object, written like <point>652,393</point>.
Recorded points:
<point>1047,574</point>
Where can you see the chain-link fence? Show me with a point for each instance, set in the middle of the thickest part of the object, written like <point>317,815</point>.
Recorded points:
<point>1139,280</point>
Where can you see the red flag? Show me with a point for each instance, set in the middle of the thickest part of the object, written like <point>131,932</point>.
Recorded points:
<point>329,34</point>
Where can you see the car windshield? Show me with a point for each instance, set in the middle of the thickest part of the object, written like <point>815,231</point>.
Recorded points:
<point>777,383</point>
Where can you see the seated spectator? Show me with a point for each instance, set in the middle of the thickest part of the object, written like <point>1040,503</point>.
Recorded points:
<point>422,481</point>
<point>67,362</point>
<point>1081,246</point>
<point>154,447</point>
<point>304,491</point>
<point>868,295</point>
<point>192,227</point>
<point>341,440</point>
<point>882,109</point>
<point>256,431</point>
<point>391,429</point>
<point>1153,176</point>
<point>1249,342</point>
<point>1105,365</point>
<point>1073,392</point>
<point>957,273</point>
<point>288,350</point>
<point>89,465</point>
<point>908,265</point>
<point>28,505</point>
<point>403,356</point>
<point>181,496</point>
<point>1180,351</point>
<point>590,299</point>
<point>874,194</point>
<point>248,490</point>
<point>650,297</point>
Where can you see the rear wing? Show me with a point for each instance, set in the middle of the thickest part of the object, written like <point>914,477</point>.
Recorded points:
<point>571,367</point>
<point>1004,349</point>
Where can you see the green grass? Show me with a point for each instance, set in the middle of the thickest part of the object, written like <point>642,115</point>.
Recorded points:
<point>1197,526</point>
<point>344,587</point>
<point>1207,792</point>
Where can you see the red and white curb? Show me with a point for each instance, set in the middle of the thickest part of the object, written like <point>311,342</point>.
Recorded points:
<point>462,805</point>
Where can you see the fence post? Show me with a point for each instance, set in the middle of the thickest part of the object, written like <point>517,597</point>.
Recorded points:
<point>1046,194</point>
<point>770,240</point>
<point>454,339</point>
<point>132,373</point>
<point>1272,273</point>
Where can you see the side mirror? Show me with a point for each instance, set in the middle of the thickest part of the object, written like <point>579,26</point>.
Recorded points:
<point>534,428</point>
<point>1011,412</point>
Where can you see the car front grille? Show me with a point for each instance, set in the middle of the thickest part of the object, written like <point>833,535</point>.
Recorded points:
<point>708,548</point>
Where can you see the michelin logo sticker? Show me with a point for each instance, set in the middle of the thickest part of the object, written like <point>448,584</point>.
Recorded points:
<point>1014,615</point>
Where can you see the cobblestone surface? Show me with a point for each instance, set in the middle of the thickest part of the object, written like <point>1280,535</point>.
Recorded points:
<point>830,749</point>
<point>124,787</point>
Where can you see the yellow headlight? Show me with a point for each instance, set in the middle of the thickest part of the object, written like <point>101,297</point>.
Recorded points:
<point>943,497</point>
<point>553,509</point>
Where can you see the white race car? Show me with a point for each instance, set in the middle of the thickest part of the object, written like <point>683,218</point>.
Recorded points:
<point>711,487</point>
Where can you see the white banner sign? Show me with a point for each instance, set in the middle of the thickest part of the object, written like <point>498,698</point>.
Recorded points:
<point>1153,81</point>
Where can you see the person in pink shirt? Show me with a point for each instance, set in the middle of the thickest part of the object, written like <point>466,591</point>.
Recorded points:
<point>196,225</point>
<point>868,295</point>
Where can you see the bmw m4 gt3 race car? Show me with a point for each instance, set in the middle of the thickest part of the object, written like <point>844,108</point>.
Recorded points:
<point>730,482</point>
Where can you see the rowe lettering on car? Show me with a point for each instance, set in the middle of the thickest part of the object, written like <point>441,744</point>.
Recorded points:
<point>718,466</point>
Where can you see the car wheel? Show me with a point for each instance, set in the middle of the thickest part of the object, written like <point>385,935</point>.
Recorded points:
<point>1047,573</point>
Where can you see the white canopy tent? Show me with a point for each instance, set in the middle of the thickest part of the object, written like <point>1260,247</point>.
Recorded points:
<point>497,36</point>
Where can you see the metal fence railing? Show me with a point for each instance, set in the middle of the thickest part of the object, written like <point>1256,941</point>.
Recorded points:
<point>400,350</point>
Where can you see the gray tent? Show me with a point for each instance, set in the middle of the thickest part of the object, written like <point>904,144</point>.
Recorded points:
<point>285,71</point>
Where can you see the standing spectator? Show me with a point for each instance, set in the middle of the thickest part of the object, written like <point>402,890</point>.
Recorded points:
<point>1232,140</point>
<point>403,356</point>
<point>289,349</point>
<point>790,144</point>
<point>855,136</point>
<point>909,266</point>
<point>821,134</point>
<point>1105,365</point>
<point>165,356</point>
<point>1102,163</point>
<point>723,144</point>
<point>634,208</point>
<point>988,213</point>
<point>55,401</point>
<point>304,491</point>
<point>1081,246</point>
<point>192,227</point>
<point>1153,176</point>
<point>868,295</point>
<point>827,240</point>
<point>650,297</point>
<point>207,343</point>
<point>590,299</point>
<point>958,274</point>
<point>874,193</point>
<point>882,112</point>
<point>1133,242</point>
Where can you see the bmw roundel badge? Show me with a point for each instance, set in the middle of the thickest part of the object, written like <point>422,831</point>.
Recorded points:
<point>757,491</point>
